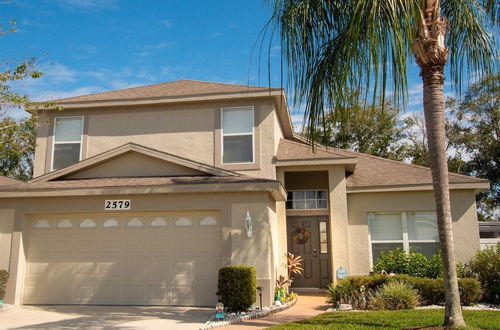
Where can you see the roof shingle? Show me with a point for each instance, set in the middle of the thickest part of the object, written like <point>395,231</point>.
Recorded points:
<point>173,89</point>
<point>5,181</point>
<point>370,171</point>
<point>290,150</point>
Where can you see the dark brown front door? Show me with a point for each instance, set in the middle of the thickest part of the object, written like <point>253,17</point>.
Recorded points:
<point>308,238</point>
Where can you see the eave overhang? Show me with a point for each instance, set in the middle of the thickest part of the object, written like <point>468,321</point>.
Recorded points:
<point>477,186</point>
<point>274,188</point>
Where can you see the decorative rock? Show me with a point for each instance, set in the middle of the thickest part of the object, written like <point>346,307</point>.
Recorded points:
<point>345,307</point>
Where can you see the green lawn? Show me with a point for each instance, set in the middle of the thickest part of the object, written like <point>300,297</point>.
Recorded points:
<point>392,320</point>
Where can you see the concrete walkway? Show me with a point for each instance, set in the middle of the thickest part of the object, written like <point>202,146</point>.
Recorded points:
<point>104,317</point>
<point>307,306</point>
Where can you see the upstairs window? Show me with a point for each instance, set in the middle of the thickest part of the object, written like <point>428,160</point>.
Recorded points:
<point>307,199</point>
<point>237,135</point>
<point>67,141</point>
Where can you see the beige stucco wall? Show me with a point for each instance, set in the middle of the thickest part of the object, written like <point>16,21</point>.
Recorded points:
<point>6,228</point>
<point>134,164</point>
<point>237,248</point>
<point>465,227</point>
<point>190,130</point>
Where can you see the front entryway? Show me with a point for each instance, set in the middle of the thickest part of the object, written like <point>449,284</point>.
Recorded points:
<point>308,237</point>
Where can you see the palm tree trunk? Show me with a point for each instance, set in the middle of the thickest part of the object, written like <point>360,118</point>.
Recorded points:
<point>434,119</point>
<point>431,53</point>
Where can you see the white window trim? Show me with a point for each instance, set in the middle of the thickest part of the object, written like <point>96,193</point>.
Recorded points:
<point>237,134</point>
<point>405,241</point>
<point>65,142</point>
<point>327,203</point>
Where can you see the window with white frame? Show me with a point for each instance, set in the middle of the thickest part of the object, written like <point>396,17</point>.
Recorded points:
<point>67,147</point>
<point>416,231</point>
<point>307,199</point>
<point>237,135</point>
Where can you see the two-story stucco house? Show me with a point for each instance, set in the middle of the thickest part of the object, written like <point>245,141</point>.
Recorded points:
<point>140,195</point>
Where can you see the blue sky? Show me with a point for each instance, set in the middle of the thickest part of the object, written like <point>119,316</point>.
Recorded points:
<point>89,46</point>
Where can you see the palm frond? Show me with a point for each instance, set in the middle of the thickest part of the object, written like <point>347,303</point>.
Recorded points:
<point>331,47</point>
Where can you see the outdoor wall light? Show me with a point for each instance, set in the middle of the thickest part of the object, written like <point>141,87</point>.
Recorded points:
<point>248,225</point>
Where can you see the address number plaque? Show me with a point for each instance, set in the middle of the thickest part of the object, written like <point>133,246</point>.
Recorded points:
<point>117,204</point>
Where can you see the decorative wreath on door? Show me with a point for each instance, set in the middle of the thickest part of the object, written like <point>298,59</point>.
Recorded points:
<point>301,235</point>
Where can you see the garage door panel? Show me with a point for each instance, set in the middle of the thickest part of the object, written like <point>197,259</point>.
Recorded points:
<point>157,263</point>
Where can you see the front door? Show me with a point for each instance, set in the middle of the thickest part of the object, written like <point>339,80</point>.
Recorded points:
<point>308,238</point>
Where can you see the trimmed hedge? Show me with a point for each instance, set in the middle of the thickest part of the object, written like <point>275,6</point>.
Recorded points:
<point>4,275</point>
<point>431,290</point>
<point>237,287</point>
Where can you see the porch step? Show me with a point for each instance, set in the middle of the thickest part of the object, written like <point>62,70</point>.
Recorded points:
<point>309,290</point>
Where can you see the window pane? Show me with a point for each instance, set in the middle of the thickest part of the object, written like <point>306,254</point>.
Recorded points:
<point>323,238</point>
<point>237,120</point>
<point>321,194</point>
<point>299,204</point>
<point>289,204</point>
<point>66,154</point>
<point>310,194</point>
<point>238,149</point>
<point>322,204</point>
<point>422,226</point>
<point>68,129</point>
<point>385,227</point>
<point>427,249</point>
<point>298,194</point>
<point>310,204</point>
<point>378,248</point>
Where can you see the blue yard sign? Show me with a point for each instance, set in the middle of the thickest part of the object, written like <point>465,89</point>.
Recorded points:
<point>341,273</point>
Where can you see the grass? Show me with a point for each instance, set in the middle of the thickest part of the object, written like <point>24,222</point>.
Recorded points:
<point>401,319</point>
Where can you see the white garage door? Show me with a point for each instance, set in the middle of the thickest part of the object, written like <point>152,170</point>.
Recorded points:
<point>132,259</point>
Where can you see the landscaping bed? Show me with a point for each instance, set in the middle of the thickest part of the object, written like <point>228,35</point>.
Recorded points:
<point>400,319</point>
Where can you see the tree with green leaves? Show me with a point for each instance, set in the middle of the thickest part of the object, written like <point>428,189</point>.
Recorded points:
<point>476,133</point>
<point>17,147</point>
<point>331,47</point>
<point>375,130</point>
<point>417,150</point>
<point>18,136</point>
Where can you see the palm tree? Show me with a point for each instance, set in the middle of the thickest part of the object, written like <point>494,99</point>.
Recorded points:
<point>332,46</point>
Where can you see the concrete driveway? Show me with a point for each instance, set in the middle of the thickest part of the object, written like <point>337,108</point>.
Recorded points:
<point>104,317</point>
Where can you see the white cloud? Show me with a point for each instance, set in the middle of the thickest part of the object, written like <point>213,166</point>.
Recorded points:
<point>122,84</point>
<point>88,4</point>
<point>166,23</point>
<point>48,95</point>
<point>158,45</point>
<point>59,73</point>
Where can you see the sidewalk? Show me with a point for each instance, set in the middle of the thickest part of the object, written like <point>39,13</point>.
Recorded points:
<point>307,306</point>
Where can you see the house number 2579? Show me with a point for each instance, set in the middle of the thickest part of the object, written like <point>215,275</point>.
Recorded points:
<point>118,204</point>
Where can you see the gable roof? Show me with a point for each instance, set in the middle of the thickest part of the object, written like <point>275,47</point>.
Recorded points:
<point>127,148</point>
<point>370,172</point>
<point>6,181</point>
<point>173,89</point>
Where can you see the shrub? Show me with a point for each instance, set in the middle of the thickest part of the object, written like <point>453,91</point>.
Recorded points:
<point>237,287</point>
<point>430,290</point>
<point>470,291</point>
<point>4,275</point>
<point>412,263</point>
<point>485,266</point>
<point>394,295</point>
<point>348,292</point>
